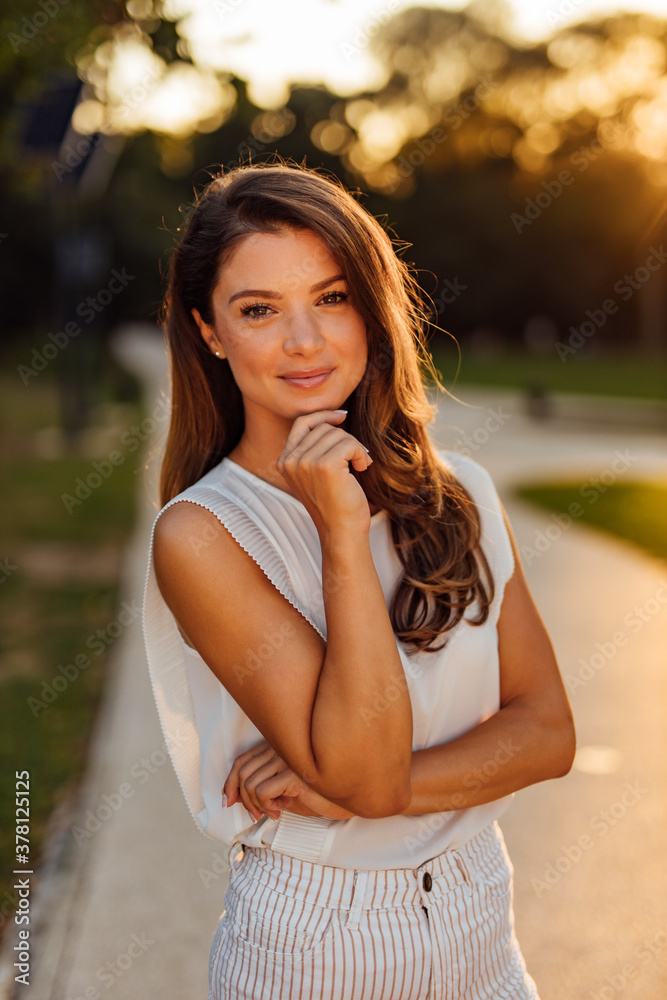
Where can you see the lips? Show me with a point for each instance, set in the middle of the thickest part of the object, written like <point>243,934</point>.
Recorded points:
<point>306,373</point>
<point>307,380</point>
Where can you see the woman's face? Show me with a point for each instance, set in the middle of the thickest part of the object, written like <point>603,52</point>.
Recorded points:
<point>282,308</point>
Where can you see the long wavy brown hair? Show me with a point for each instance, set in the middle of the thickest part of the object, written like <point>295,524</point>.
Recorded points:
<point>435,524</point>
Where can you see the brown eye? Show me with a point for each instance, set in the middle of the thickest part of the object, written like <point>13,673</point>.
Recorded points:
<point>249,310</point>
<point>342,297</point>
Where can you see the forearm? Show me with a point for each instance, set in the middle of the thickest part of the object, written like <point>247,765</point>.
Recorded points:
<point>358,763</point>
<point>514,748</point>
<point>323,807</point>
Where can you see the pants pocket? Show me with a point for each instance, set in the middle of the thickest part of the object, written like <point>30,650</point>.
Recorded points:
<point>498,883</point>
<point>287,928</point>
<point>474,925</point>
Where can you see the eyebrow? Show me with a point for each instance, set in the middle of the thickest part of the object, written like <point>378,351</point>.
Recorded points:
<point>276,295</point>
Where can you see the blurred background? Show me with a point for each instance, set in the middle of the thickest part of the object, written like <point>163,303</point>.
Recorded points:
<point>518,153</point>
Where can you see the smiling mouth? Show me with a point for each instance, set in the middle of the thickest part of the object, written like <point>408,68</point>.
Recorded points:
<point>307,381</point>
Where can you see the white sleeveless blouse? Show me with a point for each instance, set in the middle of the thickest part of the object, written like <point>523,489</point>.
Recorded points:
<point>451,691</point>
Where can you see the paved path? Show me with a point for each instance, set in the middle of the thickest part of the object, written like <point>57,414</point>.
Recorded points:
<point>588,849</point>
<point>130,911</point>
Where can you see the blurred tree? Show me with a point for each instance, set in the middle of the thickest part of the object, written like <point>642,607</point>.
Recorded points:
<point>561,144</point>
<point>529,180</point>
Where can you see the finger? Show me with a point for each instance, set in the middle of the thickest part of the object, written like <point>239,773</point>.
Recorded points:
<point>330,453</point>
<point>333,455</point>
<point>360,459</point>
<point>318,436</point>
<point>230,790</point>
<point>246,773</point>
<point>232,782</point>
<point>271,782</point>
<point>248,804</point>
<point>249,783</point>
<point>305,423</point>
<point>307,447</point>
<point>271,806</point>
<point>273,795</point>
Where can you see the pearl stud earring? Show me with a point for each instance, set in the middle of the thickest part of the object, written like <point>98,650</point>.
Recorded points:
<point>217,354</point>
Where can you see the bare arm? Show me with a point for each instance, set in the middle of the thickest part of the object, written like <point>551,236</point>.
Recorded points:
<point>530,739</point>
<point>304,697</point>
<point>361,660</point>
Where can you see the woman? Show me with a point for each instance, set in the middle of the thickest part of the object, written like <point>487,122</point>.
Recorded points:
<point>340,637</point>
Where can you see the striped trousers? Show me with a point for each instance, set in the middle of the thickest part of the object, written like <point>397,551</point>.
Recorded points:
<point>292,930</point>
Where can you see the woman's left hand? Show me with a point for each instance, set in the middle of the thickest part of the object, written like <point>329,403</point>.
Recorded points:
<point>264,783</point>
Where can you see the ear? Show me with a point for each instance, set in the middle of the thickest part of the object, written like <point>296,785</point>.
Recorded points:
<point>208,334</point>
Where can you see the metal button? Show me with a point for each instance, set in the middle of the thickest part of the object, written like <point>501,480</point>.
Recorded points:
<point>427,882</point>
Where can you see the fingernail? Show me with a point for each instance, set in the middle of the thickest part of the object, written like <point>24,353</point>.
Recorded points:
<point>340,411</point>
<point>364,446</point>
<point>224,801</point>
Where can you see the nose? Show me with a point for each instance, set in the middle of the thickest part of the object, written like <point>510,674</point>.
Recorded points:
<point>304,332</point>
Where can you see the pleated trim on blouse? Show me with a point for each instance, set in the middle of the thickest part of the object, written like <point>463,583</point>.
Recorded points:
<point>165,647</point>
<point>167,651</point>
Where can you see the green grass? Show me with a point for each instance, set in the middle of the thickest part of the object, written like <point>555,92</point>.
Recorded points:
<point>621,375</point>
<point>45,624</point>
<point>634,511</point>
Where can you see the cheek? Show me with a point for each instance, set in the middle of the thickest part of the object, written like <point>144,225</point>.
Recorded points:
<point>246,353</point>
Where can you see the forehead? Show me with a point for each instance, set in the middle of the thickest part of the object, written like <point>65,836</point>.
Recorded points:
<point>287,258</point>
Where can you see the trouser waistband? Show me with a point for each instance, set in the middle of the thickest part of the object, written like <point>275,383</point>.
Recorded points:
<point>356,889</point>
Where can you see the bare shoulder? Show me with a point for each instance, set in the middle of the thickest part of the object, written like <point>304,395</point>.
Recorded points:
<point>210,581</point>
<point>184,528</point>
<point>257,643</point>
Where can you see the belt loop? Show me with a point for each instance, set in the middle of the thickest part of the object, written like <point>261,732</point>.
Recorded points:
<point>234,850</point>
<point>463,868</point>
<point>358,894</point>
